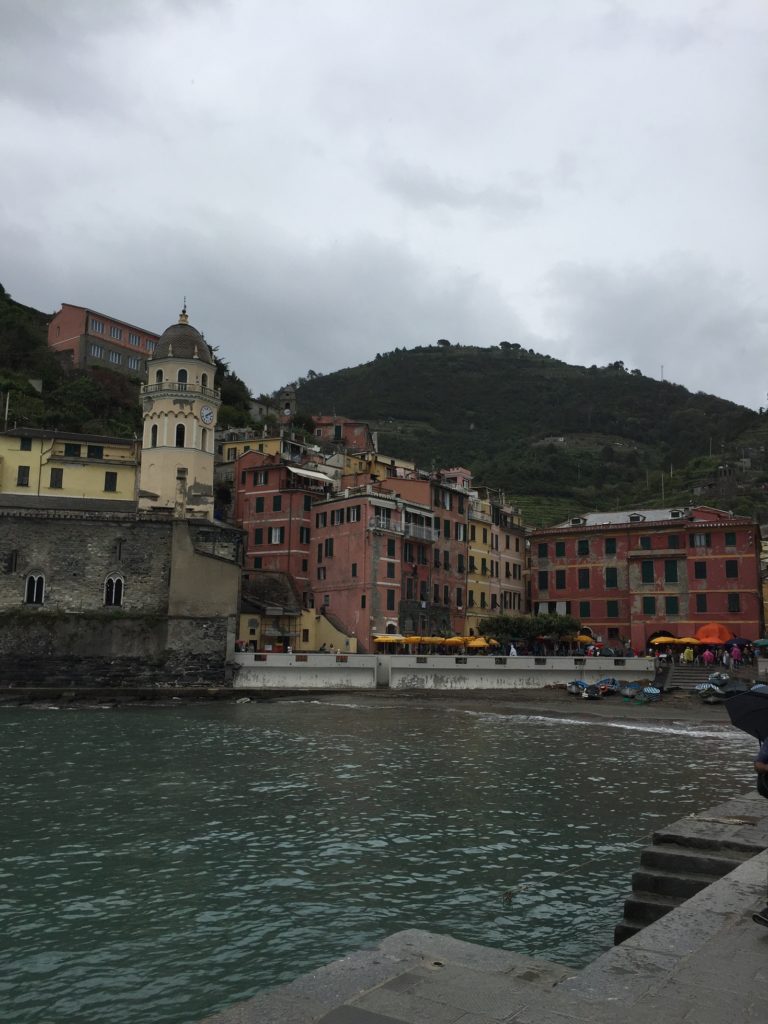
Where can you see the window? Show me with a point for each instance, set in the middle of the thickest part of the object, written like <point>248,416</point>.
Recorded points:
<point>649,606</point>
<point>116,333</point>
<point>699,570</point>
<point>180,435</point>
<point>258,535</point>
<point>260,479</point>
<point>96,351</point>
<point>671,605</point>
<point>731,569</point>
<point>22,476</point>
<point>204,380</point>
<point>701,602</point>
<point>470,599</point>
<point>446,595</point>
<point>559,548</point>
<point>307,502</point>
<point>543,550</point>
<point>645,543</point>
<point>113,591</point>
<point>321,572</point>
<point>304,535</point>
<point>734,602</point>
<point>584,609</point>
<point>482,599</point>
<point>277,502</point>
<point>437,558</point>
<point>153,436</point>
<point>390,570</point>
<point>304,565</point>
<point>447,529</point>
<point>670,570</point>
<point>610,545</point>
<point>329,547</point>
<point>459,597</point>
<point>110,481</point>
<point>34,589</point>
<point>115,357</point>
<point>436,594</point>
<point>276,534</point>
<point>362,600</point>
<point>612,609</point>
<point>611,577</point>
<point>582,547</point>
<point>134,363</point>
<point>257,561</point>
<point>181,377</point>
<point>583,579</point>
<point>159,377</point>
<point>559,579</point>
<point>25,444</point>
<point>543,580</point>
<point>354,569</point>
<point>353,514</point>
<point>460,531</point>
<point>390,600</point>
<point>134,338</point>
<point>57,478</point>
<point>151,346</point>
<point>97,326</point>
<point>390,548</point>
<point>646,571</point>
<point>730,540</point>
<point>460,563</point>
<point>673,541</point>
<point>446,560</point>
<point>700,540</point>
<point>95,451</point>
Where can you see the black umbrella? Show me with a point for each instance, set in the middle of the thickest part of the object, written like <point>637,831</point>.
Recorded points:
<point>749,712</point>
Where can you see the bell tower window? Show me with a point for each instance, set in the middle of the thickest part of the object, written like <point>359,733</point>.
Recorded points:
<point>204,440</point>
<point>182,379</point>
<point>204,380</point>
<point>159,377</point>
<point>34,591</point>
<point>180,435</point>
<point>153,436</point>
<point>113,591</point>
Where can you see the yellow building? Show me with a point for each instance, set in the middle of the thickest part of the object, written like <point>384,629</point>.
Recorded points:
<point>496,558</point>
<point>39,464</point>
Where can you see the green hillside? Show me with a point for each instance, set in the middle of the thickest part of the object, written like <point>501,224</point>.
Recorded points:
<point>556,438</point>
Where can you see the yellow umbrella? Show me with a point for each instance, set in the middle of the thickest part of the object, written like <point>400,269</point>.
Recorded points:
<point>687,640</point>
<point>584,639</point>
<point>664,640</point>
<point>455,641</point>
<point>414,639</point>
<point>390,638</point>
<point>478,641</point>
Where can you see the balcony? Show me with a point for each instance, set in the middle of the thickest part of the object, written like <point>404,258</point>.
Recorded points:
<point>420,532</point>
<point>173,387</point>
<point>476,513</point>
<point>385,524</point>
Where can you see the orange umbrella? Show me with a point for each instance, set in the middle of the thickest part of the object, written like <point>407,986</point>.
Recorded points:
<point>714,633</point>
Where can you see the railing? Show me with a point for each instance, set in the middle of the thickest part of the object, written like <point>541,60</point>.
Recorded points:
<point>475,513</point>
<point>381,523</point>
<point>175,386</point>
<point>421,532</point>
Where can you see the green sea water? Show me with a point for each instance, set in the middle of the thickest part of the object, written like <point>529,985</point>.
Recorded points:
<point>160,864</point>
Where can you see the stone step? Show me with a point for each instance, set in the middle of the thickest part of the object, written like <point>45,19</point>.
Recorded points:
<point>686,835</point>
<point>670,883</point>
<point>689,860</point>
<point>642,908</point>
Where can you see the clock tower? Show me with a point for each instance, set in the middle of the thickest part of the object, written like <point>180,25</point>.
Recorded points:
<point>179,403</point>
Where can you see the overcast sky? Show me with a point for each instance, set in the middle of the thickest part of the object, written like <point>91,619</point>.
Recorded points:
<point>329,179</point>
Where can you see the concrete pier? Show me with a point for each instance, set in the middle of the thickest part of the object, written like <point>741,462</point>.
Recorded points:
<point>704,961</point>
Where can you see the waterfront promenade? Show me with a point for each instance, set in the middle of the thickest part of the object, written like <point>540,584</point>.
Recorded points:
<point>705,962</point>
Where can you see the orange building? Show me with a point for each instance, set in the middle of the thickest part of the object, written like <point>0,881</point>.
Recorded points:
<point>84,338</point>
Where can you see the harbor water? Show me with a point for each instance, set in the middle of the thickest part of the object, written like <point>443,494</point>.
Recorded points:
<point>160,864</point>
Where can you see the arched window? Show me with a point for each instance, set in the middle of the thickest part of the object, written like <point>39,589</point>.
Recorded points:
<point>204,380</point>
<point>182,379</point>
<point>180,435</point>
<point>159,377</point>
<point>153,435</point>
<point>113,590</point>
<point>204,440</point>
<point>34,591</point>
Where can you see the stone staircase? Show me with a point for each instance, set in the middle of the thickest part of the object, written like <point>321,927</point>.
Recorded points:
<point>678,864</point>
<point>685,677</point>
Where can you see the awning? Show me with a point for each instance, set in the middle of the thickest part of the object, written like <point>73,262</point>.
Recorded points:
<point>311,474</point>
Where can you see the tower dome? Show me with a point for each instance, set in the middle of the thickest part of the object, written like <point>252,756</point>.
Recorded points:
<point>183,341</point>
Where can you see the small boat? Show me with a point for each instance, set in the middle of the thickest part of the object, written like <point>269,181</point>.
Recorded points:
<point>630,690</point>
<point>608,686</point>
<point>651,693</point>
<point>591,692</point>
<point>575,687</point>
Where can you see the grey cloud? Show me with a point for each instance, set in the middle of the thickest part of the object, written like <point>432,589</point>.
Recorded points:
<point>422,188</point>
<point>682,314</point>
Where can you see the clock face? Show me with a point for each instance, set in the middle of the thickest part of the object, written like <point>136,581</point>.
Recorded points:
<point>206,414</point>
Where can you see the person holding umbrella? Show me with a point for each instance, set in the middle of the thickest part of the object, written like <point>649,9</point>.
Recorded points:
<point>749,712</point>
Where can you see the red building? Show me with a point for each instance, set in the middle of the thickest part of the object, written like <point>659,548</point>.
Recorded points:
<point>628,575</point>
<point>273,503</point>
<point>338,431</point>
<point>85,338</point>
<point>372,564</point>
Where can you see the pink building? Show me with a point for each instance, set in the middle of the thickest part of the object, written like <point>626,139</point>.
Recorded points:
<point>351,435</point>
<point>84,338</point>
